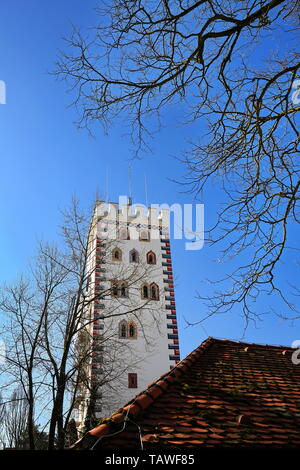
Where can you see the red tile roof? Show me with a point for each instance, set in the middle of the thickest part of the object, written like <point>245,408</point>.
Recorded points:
<point>224,393</point>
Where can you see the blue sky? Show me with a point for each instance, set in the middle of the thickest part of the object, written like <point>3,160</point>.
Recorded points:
<point>44,159</point>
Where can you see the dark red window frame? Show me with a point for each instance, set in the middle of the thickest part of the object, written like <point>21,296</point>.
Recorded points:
<point>132,380</point>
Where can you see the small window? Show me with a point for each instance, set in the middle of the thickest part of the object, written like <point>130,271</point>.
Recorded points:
<point>119,289</point>
<point>151,258</point>
<point>132,331</point>
<point>123,330</point>
<point>117,255</point>
<point>124,233</point>
<point>144,235</point>
<point>132,380</point>
<point>114,289</point>
<point>133,256</point>
<point>154,292</point>
<point>127,330</point>
<point>145,291</point>
<point>123,292</point>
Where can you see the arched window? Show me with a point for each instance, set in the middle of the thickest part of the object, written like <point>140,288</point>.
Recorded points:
<point>114,289</point>
<point>133,256</point>
<point>123,291</point>
<point>145,291</point>
<point>123,329</point>
<point>119,288</point>
<point>117,254</point>
<point>124,233</point>
<point>127,330</point>
<point>132,330</point>
<point>151,258</point>
<point>154,292</point>
<point>144,235</point>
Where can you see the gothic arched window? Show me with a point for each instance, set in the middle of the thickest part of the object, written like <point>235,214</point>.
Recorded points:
<point>145,291</point>
<point>123,329</point>
<point>127,330</point>
<point>123,289</point>
<point>132,330</point>
<point>144,235</point>
<point>133,256</point>
<point>117,254</point>
<point>124,233</point>
<point>151,258</point>
<point>154,292</point>
<point>114,289</point>
<point>119,288</point>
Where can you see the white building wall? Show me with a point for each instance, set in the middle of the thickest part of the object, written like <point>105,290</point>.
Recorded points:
<point>156,348</point>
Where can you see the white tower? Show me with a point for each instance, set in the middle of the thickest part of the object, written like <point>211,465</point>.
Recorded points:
<point>133,327</point>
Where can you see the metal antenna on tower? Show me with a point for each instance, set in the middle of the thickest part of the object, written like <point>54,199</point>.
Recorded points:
<point>107,183</point>
<point>146,190</point>
<point>129,185</point>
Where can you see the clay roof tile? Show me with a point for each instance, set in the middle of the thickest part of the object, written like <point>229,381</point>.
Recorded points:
<point>223,393</point>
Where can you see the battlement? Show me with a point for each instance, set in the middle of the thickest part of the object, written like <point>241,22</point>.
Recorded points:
<point>133,214</point>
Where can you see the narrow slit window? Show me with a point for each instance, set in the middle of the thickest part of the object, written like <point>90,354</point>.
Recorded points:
<point>123,330</point>
<point>115,290</point>
<point>123,290</point>
<point>154,291</point>
<point>145,291</point>
<point>132,380</point>
<point>132,331</point>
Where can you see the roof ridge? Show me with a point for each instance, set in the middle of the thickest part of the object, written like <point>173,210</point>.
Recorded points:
<point>276,346</point>
<point>146,397</point>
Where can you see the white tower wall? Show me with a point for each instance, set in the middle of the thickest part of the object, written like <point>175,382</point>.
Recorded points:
<point>154,349</point>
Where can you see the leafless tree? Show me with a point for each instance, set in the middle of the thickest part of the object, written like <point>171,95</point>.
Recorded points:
<point>13,418</point>
<point>2,415</point>
<point>233,66</point>
<point>48,326</point>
